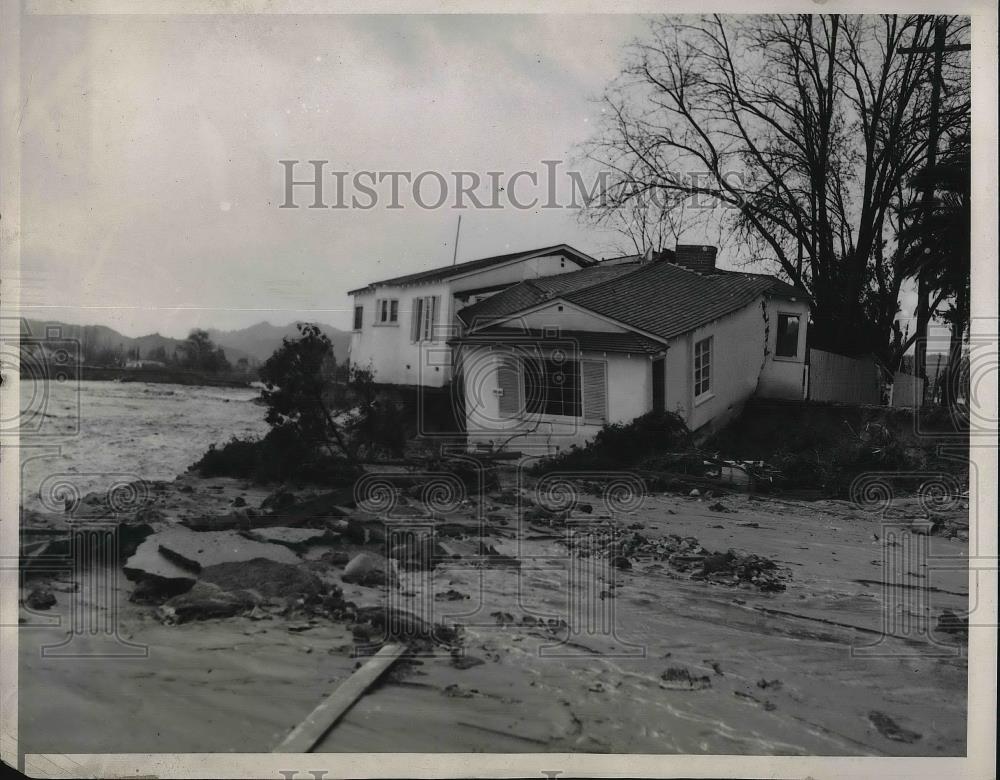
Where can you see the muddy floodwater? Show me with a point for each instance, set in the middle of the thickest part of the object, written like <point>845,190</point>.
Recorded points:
<point>835,650</point>
<point>92,435</point>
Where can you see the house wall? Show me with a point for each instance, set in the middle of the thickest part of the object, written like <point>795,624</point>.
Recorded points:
<point>628,394</point>
<point>389,350</point>
<point>784,377</point>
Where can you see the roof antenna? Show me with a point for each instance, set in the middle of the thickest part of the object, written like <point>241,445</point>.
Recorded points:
<point>454,257</point>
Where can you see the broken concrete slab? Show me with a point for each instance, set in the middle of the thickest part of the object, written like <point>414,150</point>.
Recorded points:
<point>157,576</point>
<point>293,538</point>
<point>196,550</point>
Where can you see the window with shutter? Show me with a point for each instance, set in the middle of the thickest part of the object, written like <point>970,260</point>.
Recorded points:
<point>509,382</point>
<point>595,391</point>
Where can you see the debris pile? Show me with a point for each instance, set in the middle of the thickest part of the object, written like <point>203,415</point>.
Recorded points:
<point>685,555</point>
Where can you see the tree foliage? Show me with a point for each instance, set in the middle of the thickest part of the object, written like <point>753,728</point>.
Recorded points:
<point>796,135</point>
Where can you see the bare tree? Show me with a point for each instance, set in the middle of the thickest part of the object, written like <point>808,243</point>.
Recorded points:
<point>804,129</point>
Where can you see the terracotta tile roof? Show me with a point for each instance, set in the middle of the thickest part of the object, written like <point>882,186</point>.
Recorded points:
<point>660,298</point>
<point>448,271</point>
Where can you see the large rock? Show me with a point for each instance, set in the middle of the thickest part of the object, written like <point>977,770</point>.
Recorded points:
<point>370,569</point>
<point>268,579</point>
<point>206,601</point>
<point>195,551</point>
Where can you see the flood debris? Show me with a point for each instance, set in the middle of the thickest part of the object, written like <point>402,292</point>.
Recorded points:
<point>267,578</point>
<point>677,678</point>
<point>205,601</point>
<point>372,570</point>
<point>40,599</point>
<point>889,729</point>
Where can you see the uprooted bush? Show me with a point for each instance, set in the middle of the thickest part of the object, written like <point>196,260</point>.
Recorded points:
<point>624,444</point>
<point>823,448</point>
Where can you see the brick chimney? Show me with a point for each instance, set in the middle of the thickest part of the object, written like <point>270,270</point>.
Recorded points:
<point>696,257</point>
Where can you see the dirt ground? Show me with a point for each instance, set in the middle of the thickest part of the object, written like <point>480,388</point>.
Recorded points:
<point>558,653</point>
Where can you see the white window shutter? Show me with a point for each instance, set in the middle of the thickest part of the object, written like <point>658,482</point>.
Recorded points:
<point>509,382</point>
<point>595,391</point>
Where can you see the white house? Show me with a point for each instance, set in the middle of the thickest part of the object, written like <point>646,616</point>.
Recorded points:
<point>546,363</point>
<point>550,345</point>
<point>402,325</point>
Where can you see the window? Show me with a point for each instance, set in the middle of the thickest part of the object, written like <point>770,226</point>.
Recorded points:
<point>702,367</point>
<point>359,317</point>
<point>424,318</point>
<point>386,311</point>
<point>552,387</point>
<point>787,344</point>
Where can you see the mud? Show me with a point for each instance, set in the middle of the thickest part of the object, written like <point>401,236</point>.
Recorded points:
<point>520,642</point>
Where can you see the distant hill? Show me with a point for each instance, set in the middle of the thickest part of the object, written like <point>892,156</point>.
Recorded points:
<point>261,340</point>
<point>255,343</point>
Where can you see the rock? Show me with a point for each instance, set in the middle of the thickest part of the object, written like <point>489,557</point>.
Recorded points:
<point>694,493</point>
<point>293,538</point>
<point>264,577</point>
<point>718,506</point>
<point>370,569</point>
<point>336,557</point>
<point>621,562</point>
<point>206,601</point>
<point>158,577</point>
<point>194,551</point>
<point>311,511</point>
<point>889,729</point>
<point>40,598</point>
<point>450,595</point>
<point>279,499</point>
<point>239,501</point>
<point>238,520</point>
<point>466,661</point>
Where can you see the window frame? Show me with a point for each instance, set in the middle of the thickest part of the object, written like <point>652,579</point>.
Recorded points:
<point>777,335</point>
<point>552,401</point>
<point>424,318</point>
<point>387,312</point>
<point>359,317</point>
<point>701,374</point>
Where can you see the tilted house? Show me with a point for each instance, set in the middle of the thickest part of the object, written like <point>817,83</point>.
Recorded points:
<point>548,346</point>
<point>549,361</point>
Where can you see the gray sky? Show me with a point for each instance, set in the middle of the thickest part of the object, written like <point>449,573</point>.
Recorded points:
<point>150,180</point>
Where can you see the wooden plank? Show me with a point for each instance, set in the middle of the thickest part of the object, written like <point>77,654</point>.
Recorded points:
<point>304,737</point>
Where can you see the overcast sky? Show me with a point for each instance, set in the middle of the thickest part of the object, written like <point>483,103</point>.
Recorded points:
<point>150,174</point>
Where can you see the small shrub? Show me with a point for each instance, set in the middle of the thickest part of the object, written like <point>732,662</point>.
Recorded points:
<point>624,444</point>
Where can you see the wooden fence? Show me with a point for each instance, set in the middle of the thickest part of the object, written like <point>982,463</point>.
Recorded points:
<point>843,379</point>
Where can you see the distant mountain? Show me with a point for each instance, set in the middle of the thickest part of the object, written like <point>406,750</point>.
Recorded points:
<point>94,342</point>
<point>261,340</point>
<point>255,343</point>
